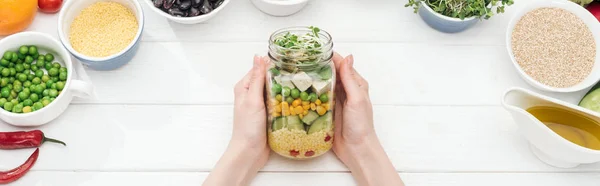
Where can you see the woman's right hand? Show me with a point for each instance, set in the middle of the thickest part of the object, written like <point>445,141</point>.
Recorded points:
<point>355,142</point>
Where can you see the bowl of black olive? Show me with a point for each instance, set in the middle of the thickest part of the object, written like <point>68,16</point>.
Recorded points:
<point>187,11</point>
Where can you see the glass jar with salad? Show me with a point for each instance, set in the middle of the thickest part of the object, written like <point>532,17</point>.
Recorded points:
<point>300,92</point>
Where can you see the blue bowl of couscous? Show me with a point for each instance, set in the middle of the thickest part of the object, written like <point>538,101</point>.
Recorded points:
<point>102,34</point>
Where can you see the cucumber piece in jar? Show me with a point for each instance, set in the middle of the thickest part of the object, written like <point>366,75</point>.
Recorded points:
<point>279,123</point>
<point>325,73</point>
<point>592,99</point>
<point>294,122</point>
<point>310,117</point>
<point>321,123</point>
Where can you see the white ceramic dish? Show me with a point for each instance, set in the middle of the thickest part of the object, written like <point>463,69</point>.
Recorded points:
<point>187,20</point>
<point>73,87</point>
<point>280,7</point>
<point>580,12</point>
<point>72,8</point>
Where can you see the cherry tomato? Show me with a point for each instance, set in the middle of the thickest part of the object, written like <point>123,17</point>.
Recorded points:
<point>50,6</point>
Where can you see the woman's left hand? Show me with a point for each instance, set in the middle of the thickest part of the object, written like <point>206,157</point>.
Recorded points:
<point>248,151</point>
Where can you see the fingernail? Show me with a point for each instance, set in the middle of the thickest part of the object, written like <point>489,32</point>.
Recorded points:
<point>351,60</point>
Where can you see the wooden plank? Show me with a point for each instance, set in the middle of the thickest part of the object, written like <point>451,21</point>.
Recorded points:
<point>300,179</point>
<point>192,138</point>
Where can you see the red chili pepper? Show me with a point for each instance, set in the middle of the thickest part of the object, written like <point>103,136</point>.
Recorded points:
<point>24,139</point>
<point>16,173</point>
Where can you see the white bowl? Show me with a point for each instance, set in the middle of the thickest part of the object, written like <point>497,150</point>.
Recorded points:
<point>71,9</point>
<point>73,87</point>
<point>187,20</point>
<point>580,12</point>
<point>280,7</point>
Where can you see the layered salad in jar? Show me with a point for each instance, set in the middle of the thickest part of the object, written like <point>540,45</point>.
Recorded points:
<point>300,92</point>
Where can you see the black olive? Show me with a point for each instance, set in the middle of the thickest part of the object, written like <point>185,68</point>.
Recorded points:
<point>185,4</point>
<point>197,3</point>
<point>178,2</point>
<point>176,12</point>
<point>206,8</point>
<point>158,3</point>
<point>193,12</point>
<point>212,1</point>
<point>168,4</point>
<point>217,4</point>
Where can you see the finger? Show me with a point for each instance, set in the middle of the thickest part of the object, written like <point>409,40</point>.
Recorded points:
<point>362,83</point>
<point>337,60</point>
<point>240,86</point>
<point>348,80</point>
<point>339,109</point>
<point>256,85</point>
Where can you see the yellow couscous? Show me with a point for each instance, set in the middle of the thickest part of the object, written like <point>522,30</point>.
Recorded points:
<point>103,29</point>
<point>297,144</point>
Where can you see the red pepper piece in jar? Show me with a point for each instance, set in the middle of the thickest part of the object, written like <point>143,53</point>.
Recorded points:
<point>294,153</point>
<point>309,153</point>
<point>16,173</point>
<point>24,139</point>
<point>327,138</point>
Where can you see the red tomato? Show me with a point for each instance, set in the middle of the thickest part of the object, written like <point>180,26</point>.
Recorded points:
<point>50,6</point>
<point>594,8</point>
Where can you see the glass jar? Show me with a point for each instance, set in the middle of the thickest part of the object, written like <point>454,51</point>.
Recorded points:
<point>300,92</point>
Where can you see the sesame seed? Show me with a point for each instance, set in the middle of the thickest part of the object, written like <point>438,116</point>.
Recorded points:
<point>103,29</point>
<point>554,47</point>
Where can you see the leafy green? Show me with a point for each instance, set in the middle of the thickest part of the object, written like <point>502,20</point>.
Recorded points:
<point>463,8</point>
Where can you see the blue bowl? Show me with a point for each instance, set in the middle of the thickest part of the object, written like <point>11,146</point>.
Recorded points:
<point>68,13</point>
<point>444,23</point>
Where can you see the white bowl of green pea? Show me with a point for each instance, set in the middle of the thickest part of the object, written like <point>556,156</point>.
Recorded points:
<point>36,79</point>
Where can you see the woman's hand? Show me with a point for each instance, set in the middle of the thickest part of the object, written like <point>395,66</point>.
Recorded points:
<point>356,143</point>
<point>248,151</point>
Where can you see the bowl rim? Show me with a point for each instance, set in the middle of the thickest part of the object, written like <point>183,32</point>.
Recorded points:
<point>164,14</point>
<point>283,3</point>
<point>447,18</point>
<point>573,8</point>
<point>67,44</point>
<point>60,51</point>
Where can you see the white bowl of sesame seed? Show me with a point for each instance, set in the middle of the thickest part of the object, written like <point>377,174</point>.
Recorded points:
<point>553,45</point>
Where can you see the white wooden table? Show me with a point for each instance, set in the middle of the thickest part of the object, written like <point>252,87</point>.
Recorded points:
<point>165,118</point>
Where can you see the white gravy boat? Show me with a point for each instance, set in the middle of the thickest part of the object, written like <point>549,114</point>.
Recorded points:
<point>548,146</point>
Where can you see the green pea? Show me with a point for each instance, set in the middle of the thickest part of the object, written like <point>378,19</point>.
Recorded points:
<point>7,55</point>
<point>34,97</point>
<point>11,64</point>
<point>34,68</point>
<point>9,86</point>
<point>14,101</point>
<point>8,106</point>
<point>303,96</point>
<point>30,77</point>
<point>286,91</point>
<point>33,50</point>
<point>27,102</point>
<point>40,73</point>
<point>27,84</point>
<point>27,109</point>
<point>49,83</point>
<point>18,108</point>
<point>19,61</point>
<point>14,57</point>
<point>26,67</point>
<point>3,81</point>
<point>63,69</point>
<point>5,93</point>
<point>295,93</point>
<point>54,79</point>
<point>17,82</point>
<point>60,85</point>
<point>32,87</point>
<point>49,57</point>
<point>22,77</point>
<point>35,56</point>
<point>45,102</point>
<point>46,92</point>
<point>324,98</point>
<point>56,65</point>
<point>43,85</point>
<point>18,87</point>
<point>2,101</point>
<point>11,79</point>
<point>48,65</point>
<point>276,88</point>
<point>52,99</point>
<point>63,76</point>
<point>53,93</point>
<point>40,63</point>
<point>46,97</point>
<point>13,71</point>
<point>313,97</point>
<point>23,50</point>
<point>289,100</point>
<point>53,72</point>
<point>19,67</point>
<point>45,78</point>
<point>4,62</point>
<point>28,59</point>
<point>38,105</point>
<point>36,80</point>
<point>53,86</point>
<point>5,72</point>
<point>39,89</point>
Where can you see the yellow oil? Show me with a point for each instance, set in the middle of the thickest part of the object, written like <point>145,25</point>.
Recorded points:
<point>572,126</point>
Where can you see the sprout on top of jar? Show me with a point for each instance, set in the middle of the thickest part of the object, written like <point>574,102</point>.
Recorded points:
<point>301,47</point>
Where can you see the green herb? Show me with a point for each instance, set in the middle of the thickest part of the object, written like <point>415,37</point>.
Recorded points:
<point>463,8</point>
<point>300,49</point>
